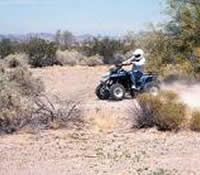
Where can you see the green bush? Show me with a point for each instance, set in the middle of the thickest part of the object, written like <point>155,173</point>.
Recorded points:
<point>106,48</point>
<point>176,44</point>
<point>6,48</point>
<point>163,111</point>
<point>41,53</point>
<point>195,121</point>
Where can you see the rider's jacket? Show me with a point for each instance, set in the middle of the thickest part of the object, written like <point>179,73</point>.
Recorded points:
<point>138,65</point>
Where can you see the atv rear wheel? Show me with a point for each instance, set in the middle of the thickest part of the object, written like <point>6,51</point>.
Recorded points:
<point>152,88</point>
<point>102,93</point>
<point>117,92</point>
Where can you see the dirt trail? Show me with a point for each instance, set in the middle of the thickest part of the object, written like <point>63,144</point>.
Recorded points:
<point>73,82</point>
<point>79,83</point>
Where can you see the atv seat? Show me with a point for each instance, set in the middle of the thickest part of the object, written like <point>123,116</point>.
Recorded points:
<point>150,73</point>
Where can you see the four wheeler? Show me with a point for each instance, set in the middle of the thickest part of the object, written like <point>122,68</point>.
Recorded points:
<point>117,83</point>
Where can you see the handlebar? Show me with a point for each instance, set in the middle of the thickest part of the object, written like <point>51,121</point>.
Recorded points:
<point>123,64</point>
<point>126,64</point>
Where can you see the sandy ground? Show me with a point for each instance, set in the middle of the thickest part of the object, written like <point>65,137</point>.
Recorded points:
<point>108,146</point>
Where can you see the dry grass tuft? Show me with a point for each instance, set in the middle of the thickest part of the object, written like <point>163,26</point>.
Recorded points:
<point>195,121</point>
<point>102,121</point>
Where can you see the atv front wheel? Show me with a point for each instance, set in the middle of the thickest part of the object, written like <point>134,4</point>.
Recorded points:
<point>117,92</point>
<point>152,88</point>
<point>102,93</point>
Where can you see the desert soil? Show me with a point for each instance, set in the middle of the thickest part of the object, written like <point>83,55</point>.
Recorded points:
<point>106,145</point>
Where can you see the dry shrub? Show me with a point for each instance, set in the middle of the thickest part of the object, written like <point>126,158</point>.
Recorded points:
<point>195,121</point>
<point>2,68</point>
<point>16,60</point>
<point>15,104</point>
<point>170,73</point>
<point>182,71</point>
<point>163,111</point>
<point>23,104</point>
<point>69,57</point>
<point>56,114</point>
<point>75,58</point>
<point>14,114</point>
<point>169,96</point>
<point>196,51</point>
<point>92,61</point>
<point>25,83</point>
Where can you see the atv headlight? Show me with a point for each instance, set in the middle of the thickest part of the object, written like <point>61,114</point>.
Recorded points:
<point>105,77</point>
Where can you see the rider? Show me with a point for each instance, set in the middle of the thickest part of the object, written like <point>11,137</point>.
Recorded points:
<point>138,61</point>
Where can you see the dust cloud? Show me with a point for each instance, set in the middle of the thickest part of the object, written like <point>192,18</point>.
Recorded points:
<point>188,92</point>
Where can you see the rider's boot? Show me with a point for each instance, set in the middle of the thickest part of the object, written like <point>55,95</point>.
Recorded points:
<point>135,88</point>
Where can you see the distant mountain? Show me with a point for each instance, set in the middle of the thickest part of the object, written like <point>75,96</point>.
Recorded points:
<point>2,37</point>
<point>45,36</point>
<point>86,37</point>
<point>48,36</point>
<point>16,37</point>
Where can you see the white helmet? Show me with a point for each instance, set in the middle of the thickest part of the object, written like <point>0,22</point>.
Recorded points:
<point>138,54</point>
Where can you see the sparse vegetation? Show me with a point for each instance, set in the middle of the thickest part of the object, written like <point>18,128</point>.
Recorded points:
<point>106,47</point>
<point>195,121</point>
<point>163,111</point>
<point>102,142</point>
<point>24,103</point>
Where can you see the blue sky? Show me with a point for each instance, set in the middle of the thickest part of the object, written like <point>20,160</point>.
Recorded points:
<point>110,17</point>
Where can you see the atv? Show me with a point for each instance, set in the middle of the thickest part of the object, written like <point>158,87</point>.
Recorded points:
<point>117,83</point>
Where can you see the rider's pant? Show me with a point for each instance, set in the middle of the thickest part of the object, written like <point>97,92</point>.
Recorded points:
<point>135,76</point>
